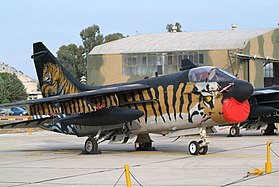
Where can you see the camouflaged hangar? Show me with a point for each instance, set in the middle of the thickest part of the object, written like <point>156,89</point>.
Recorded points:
<point>251,54</point>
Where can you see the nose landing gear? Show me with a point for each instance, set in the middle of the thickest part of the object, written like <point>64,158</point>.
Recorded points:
<point>201,147</point>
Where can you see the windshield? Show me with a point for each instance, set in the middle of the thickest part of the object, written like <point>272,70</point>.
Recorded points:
<point>210,74</point>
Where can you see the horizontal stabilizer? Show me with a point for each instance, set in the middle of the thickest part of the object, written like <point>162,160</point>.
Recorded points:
<point>106,116</point>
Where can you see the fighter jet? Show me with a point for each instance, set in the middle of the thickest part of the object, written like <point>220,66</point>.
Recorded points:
<point>188,102</point>
<point>264,112</point>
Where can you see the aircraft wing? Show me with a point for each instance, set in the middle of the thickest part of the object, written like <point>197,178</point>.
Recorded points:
<point>268,95</point>
<point>264,101</point>
<point>80,95</point>
<point>266,91</point>
<point>99,117</point>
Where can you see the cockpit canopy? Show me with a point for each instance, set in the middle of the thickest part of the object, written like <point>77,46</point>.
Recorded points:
<point>209,74</point>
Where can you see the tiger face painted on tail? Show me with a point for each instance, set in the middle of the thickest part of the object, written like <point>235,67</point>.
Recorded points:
<point>54,82</point>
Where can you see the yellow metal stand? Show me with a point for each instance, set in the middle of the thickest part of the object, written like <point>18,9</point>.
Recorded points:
<point>127,174</point>
<point>30,131</point>
<point>268,165</point>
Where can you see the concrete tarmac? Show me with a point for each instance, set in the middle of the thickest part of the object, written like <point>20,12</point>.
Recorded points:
<point>50,159</point>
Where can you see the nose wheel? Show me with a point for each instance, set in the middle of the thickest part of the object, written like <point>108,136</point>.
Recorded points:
<point>196,149</point>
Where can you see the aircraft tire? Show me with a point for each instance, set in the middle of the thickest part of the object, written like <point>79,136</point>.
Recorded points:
<point>194,148</point>
<point>144,146</point>
<point>234,131</point>
<point>203,150</point>
<point>90,146</point>
<point>270,129</point>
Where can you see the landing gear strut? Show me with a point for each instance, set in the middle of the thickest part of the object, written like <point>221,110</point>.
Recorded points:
<point>200,147</point>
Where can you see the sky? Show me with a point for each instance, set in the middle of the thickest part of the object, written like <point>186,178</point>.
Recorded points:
<point>59,22</point>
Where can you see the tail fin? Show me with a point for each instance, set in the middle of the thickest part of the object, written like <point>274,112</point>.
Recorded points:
<point>54,79</point>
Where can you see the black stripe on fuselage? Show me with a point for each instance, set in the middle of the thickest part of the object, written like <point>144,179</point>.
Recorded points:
<point>166,101</point>
<point>143,104</point>
<point>152,104</point>
<point>159,105</point>
<point>175,90</point>
<point>182,100</point>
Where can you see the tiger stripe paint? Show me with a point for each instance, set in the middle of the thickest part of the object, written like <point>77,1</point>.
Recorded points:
<point>169,100</point>
<point>149,106</point>
<point>178,100</point>
<point>162,106</point>
<point>181,99</point>
<point>55,82</point>
<point>153,104</point>
<point>140,107</point>
<point>81,106</point>
<point>141,98</point>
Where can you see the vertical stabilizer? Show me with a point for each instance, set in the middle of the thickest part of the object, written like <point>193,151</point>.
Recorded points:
<point>54,79</point>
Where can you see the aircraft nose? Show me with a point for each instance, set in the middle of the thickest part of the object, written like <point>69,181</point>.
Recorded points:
<point>236,107</point>
<point>241,90</point>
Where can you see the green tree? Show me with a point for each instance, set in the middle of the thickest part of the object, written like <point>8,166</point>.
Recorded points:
<point>112,37</point>
<point>73,59</point>
<point>169,27</point>
<point>5,101</point>
<point>91,37</point>
<point>2,89</point>
<point>12,88</point>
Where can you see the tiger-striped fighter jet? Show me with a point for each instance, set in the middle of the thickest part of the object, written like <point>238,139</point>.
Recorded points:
<point>188,102</point>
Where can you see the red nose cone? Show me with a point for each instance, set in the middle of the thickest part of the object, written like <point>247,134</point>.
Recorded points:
<point>234,111</point>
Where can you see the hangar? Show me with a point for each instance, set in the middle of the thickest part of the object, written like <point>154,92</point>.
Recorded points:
<point>251,54</point>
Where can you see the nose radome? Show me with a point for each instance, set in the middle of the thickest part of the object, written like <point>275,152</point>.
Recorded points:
<point>241,90</point>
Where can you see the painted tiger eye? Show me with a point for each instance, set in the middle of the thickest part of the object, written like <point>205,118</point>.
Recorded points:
<point>207,99</point>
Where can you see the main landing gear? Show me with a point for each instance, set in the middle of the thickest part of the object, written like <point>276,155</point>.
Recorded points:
<point>270,129</point>
<point>91,146</point>
<point>145,146</point>
<point>144,143</point>
<point>200,147</point>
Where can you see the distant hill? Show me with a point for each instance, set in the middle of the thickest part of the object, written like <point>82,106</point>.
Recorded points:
<point>29,83</point>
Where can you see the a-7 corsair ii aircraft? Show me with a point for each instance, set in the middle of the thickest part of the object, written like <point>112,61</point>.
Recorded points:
<point>189,102</point>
